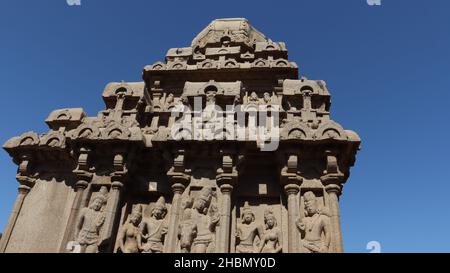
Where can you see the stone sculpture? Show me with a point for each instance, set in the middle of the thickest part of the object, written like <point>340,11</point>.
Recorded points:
<point>314,226</point>
<point>205,215</point>
<point>90,221</point>
<point>187,231</point>
<point>130,235</point>
<point>272,235</point>
<point>247,231</point>
<point>154,228</point>
<point>152,137</point>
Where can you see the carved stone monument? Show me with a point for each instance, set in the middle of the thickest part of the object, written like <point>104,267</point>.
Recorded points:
<point>221,148</point>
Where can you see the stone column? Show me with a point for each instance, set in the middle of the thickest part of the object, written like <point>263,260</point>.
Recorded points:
<point>23,191</point>
<point>114,196</point>
<point>111,213</point>
<point>80,187</point>
<point>172,234</point>
<point>179,180</point>
<point>334,191</point>
<point>332,180</point>
<point>291,181</point>
<point>26,183</point>
<point>226,180</point>
<point>226,188</point>
<point>291,191</point>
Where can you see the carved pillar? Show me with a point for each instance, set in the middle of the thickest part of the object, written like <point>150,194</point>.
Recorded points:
<point>226,180</point>
<point>83,177</point>
<point>172,234</point>
<point>223,245</point>
<point>291,191</point>
<point>111,212</point>
<point>334,191</point>
<point>80,187</point>
<point>332,181</point>
<point>112,206</point>
<point>23,191</point>
<point>291,181</point>
<point>179,182</point>
<point>26,183</point>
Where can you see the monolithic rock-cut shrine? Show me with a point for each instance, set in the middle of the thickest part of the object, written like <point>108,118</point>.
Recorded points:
<point>221,148</point>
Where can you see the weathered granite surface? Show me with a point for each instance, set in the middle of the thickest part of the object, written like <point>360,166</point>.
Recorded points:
<point>125,181</point>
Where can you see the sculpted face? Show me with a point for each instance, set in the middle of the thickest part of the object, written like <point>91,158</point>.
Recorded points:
<point>200,204</point>
<point>247,217</point>
<point>97,204</point>
<point>135,218</point>
<point>157,212</point>
<point>270,221</point>
<point>310,205</point>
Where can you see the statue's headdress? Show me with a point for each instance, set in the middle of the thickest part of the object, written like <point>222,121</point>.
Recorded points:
<point>205,194</point>
<point>160,203</point>
<point>268,212</point>
<point>309,195</point>
<point>102,195</point>
<point>247,210</point>
<point>137,210</point>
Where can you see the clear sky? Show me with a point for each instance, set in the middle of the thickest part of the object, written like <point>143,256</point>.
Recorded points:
<point>387,68</point>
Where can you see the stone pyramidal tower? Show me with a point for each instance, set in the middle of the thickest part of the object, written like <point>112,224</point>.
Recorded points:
<point>221,148</point>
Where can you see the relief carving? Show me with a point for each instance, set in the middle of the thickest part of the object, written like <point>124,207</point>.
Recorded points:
<point>247,231</point>
<point>145,124</point>
<point>271,242</point>
<point>154,228</point>
<point>130,234</point>
<point>90,222</point>
<point>314,227</point>
<point>187,231</point>
<point>205,215</point>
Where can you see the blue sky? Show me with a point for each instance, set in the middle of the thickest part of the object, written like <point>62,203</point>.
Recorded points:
<point>387,68</point>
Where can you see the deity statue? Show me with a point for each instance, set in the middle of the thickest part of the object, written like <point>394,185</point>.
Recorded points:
<point>314,227</point>
<point>253,98</point>
<point>267,98</point>
<point>187,231</point>
<point>247,231</point>
<point>154,228</point>
<point>237,99</point>
<point>90,221</point>
<point>272,234</point>
<point>205,214</point>
<point>210,97</point>
<point>130,235</point>
<point>169,101</point>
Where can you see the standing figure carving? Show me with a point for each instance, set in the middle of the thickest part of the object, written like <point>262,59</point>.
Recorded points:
<point>253,98</point>
<point>314,227</point>
<point>130,235</point>
<point>169,102</point>
<point>272,235</point>
<point>247,231</point>
<point>206,216</point>
<point>187,231</point>
<point>90,222</point>
<point>267,98</point>
<point>154,228</point>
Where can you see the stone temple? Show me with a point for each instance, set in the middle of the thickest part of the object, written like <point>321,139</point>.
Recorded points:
<point>187,160</point>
